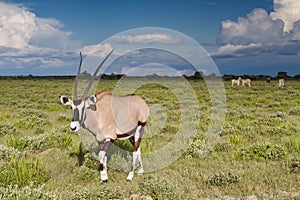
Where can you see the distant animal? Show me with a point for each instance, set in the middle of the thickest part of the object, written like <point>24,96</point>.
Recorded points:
<point>236,81</point>
<point>268,80</point>
<point>109,117</point>
<point>281,82</point>
<point>246,81</point>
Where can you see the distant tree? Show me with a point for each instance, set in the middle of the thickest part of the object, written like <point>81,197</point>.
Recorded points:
<point>282,75</point>
<point>198,74</point>
<point>297,76</point>
<point>228,77</point>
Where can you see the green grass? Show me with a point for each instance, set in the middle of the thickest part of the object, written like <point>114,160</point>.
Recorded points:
<point>257,152</point>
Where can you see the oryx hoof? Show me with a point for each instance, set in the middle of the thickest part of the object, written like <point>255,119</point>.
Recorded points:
<point>103,181</point>
<point>130,176</point>
<point>141,171</point>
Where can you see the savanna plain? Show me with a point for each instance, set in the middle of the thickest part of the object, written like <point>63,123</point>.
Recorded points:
<point>255,154</point>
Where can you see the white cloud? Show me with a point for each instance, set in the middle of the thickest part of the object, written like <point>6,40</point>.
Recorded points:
<point>100,50</point>
<point>288,11</point>
<point>161,38</point>
<point>260,33</point>
<point>150,69</point>
<point>29,42</point>
<point>230,50</point>
<point>21,28</point>
<point>256,28</point>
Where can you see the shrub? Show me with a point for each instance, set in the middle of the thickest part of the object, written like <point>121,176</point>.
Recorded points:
<point>91,162</point>
<point>294,111</point>
<point>293,145</point>
<point>221,178</point>
<point>22,171</point>
<point>294,165</point>
<point>40,142</point>
<point>30,191</point>
<point>159,188</point>
<point>84,173</point>
<point>119,163</point>
<point>103,192</point>
<point>261,151</point>
<point>197,147</point>
<point>6,128</point>
<point>6,153</point>
<point>30,121</point>
<point>30,118</point>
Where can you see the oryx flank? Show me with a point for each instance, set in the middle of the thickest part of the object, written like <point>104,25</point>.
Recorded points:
<point>109,117</point>
<point>236,81</point>
<point>246,81</point>
<point>281,82</point>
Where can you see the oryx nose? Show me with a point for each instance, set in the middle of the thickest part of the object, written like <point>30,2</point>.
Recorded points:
<point>74,126</point>
<point>72,129</point>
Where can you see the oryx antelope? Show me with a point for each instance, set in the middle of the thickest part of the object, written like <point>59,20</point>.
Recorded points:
<point>246,81</point>
<point>236,81</point>
<point>109,117</point>
<point>281,82</point>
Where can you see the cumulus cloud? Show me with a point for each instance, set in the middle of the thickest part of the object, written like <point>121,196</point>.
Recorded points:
<point>161,38</point>
<point>288,11</point>
<point>277,33</point>
<point>21,28</point>
<point>28,41</point>
<point>257,27</point>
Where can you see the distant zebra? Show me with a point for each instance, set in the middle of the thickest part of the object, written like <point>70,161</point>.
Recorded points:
<point>236,81</point>
<point>246,81</point>
<point>281,83</point>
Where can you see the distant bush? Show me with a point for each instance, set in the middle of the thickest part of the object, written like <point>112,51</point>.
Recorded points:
<point>221,178</point>
<point>261,151</point>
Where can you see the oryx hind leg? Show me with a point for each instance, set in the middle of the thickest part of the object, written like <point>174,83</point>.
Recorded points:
<point>136,155</point>
<point>104,146</point>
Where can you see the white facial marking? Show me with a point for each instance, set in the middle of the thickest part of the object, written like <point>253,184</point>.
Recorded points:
<point>74,126</point>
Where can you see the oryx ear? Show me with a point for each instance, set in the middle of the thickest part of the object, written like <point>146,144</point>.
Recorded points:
<point>65,100</point>
<point>92,99</point>
<point>91,103</point>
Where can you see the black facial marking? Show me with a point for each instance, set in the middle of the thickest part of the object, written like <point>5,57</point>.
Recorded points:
<point>65,99</point>
<point>77,102</point>
<point>75,115</point>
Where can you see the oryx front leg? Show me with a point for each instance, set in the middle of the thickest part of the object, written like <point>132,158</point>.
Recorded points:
<point>103,166</point>
<point>104,146</point>
<point>136,155</point>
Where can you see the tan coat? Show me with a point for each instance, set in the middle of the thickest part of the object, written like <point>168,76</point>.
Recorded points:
<point>115,116</point>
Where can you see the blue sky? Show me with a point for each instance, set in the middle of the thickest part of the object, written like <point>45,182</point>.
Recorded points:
<point>242,37</point>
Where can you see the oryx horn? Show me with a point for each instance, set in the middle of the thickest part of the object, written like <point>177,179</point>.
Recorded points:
<point>76,79</point>
<point>93,77</point>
